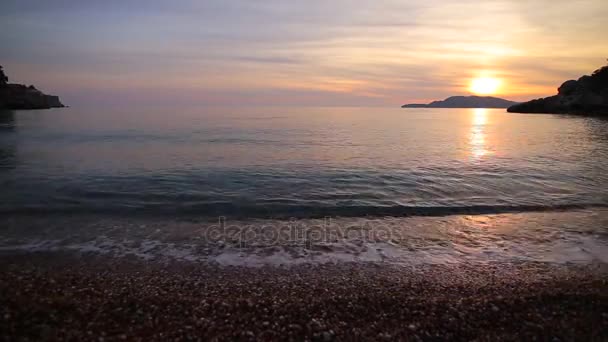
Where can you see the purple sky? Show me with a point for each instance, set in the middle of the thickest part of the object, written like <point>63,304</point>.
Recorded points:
<point>383,52</point>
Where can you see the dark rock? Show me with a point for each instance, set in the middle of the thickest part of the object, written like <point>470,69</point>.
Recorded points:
<point>465,102</point>
<point>568,87</point>
<point>19,96</point>
<point>586,96</point>
<point>3,78</point>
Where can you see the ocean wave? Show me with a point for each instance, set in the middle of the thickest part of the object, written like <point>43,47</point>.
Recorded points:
<point>286,211</point>
<point>571,236</point>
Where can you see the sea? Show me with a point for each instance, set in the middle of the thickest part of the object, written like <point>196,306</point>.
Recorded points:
<point>282,185</point>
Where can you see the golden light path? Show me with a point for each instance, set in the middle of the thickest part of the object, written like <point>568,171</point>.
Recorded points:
<point>478,136</point>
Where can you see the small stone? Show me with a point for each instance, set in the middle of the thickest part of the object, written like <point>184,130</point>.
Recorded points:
<point>328,335</point>
<point>295,327</point>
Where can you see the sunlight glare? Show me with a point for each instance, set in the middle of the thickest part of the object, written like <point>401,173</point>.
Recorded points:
<point>478,136</point>
<point>484,85</point>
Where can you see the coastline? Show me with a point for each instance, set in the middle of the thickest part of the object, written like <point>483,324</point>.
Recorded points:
<point>559,237</point>
<point>59,295</point>
<point>516,276</point>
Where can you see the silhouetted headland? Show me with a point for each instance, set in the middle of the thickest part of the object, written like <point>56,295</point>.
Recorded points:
<point>19,96</point>
<point>586,96</point>
<point>465,102</point>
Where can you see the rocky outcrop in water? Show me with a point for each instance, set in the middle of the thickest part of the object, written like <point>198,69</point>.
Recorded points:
<point>465,102</point>
<point>19,96</point>
<point>586,96</point>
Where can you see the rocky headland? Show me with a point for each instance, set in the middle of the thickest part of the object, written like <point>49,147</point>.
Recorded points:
<point>465,102</point>
<point>19,96</point>
<point>586,96</point>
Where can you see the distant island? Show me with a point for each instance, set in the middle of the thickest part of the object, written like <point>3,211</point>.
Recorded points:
<point>465,102</point>
<point>586,96</point>
<point>19,96</point>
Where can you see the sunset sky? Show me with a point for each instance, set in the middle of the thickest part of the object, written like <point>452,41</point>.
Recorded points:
<point>316,52</point>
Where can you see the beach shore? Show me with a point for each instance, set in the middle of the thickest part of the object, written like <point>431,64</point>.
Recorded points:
<point>61,296</point>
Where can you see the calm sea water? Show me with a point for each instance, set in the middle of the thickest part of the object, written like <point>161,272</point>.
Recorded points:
<point>300,162</point>
<point>415,186</point>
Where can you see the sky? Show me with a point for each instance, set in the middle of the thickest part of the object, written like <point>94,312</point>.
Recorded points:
<point>314,52</point>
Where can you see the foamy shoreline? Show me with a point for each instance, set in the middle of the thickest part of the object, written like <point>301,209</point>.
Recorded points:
<point>553,237</point>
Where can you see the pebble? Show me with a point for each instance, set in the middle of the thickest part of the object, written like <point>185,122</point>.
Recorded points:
<point>152,301</point>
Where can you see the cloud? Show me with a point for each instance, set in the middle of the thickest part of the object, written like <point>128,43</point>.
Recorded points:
<point>384,51</point>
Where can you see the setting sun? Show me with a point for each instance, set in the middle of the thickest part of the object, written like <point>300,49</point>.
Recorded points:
<point>484,85</point>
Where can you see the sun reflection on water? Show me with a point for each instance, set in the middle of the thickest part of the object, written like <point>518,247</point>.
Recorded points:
<point>478,136</point>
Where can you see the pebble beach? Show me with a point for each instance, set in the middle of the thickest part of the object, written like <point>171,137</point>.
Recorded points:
<point>70,296</point>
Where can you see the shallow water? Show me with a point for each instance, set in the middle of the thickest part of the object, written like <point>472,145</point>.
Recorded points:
<point>299,162</point>
<point>559,237</point>
<point>400,186</point>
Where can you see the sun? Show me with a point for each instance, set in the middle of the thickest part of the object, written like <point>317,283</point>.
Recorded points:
<point>484,85</point>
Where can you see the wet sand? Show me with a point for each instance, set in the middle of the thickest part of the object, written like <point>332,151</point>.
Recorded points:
<point>61,296</point>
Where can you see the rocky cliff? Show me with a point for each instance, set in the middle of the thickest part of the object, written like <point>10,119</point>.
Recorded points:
<point>19,96</point>
<point>586,96</point>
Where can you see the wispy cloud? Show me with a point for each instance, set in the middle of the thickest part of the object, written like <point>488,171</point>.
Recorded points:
<point>334,52</point>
